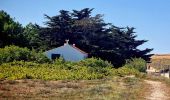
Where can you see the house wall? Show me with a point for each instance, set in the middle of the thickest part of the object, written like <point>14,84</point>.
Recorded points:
<point>165,74</point>
<point>67,52</point>
<point>151,70</point>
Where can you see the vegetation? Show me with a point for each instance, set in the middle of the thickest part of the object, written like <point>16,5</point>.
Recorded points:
<point>12,53</point>
<point>158,78</point>
<point>45,72</point>
<point>106,89</point>
<point>136,63</point>
<point>11,32</point>
<point>22,63</point>
<point>90,33</point>
<point>63,71</point>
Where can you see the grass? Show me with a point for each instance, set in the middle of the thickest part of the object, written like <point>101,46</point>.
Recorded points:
<point>158,78</point>
<point>159,62</point>
<point>117,88</point>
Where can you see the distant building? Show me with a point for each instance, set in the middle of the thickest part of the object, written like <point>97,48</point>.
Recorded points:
<point>165,72</point>
<point>159,65</point>
<point>68,52</point>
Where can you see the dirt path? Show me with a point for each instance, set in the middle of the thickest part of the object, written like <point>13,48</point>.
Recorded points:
<point>157,91</point>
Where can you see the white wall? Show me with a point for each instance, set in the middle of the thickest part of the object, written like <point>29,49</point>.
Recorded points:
<point>67,52</point>
<point>165,75</point>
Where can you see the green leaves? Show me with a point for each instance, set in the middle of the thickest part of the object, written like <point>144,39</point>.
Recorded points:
<point>136,63</point>
<point>12,53</point>
<point>10,31</point>
<point>60,70</point>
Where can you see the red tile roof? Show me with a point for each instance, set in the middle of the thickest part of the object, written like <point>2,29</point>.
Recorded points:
<point>79,49</point>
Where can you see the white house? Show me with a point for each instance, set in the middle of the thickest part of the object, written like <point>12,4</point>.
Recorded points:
<point>165,72</point>
<point>68,52</point>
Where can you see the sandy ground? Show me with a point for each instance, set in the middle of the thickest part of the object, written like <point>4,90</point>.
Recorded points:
<point>157,91</point>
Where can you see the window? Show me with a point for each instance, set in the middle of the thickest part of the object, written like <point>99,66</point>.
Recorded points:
<point>54,56</point>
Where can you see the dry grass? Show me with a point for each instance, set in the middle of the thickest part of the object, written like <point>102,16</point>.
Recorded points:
<point>106,89</point>
<point>160,61</point>
<point>161,56</point>
<point>158,78</point>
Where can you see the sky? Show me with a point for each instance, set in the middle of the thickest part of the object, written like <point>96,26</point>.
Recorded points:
<point>151,18</point>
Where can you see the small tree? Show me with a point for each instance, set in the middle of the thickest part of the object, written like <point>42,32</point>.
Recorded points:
<point>137,63</point>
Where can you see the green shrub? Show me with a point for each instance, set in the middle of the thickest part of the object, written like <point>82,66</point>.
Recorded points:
<point>38,57</point>
<point>12,53</point>
<point>58,70</point>
<point>136,63</point>
<point>97,65</point>
<point>126,71</point>
<point>95,62</point>
<point>31,70</point>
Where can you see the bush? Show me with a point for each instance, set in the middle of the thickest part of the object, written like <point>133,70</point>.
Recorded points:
<point>12,53</point>
<point>125,71</point>
<point>87,69</point>
<point>97,65</point>
<point>136,63</point>
<point>38,57</point>
<point>58,70</point>
<point>31,70</point>
<point>94,62</point>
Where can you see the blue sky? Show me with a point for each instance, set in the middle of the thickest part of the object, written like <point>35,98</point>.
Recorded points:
<point>151,18</point>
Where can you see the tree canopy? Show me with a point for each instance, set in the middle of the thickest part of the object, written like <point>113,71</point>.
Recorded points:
<point>90,33</point>
<point>10,31</point>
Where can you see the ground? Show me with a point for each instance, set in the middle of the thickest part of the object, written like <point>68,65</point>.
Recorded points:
<point>157,90</point>
<point>104,89</point>
<point>117,88</point>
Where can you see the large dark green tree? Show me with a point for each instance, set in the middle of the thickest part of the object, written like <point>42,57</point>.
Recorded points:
<point>10,31</point>
<point>93,35</point>
<point>32,36</point>
<point>59,28</point>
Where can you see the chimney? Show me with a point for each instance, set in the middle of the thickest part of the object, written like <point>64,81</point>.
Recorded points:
<point>66,42</point>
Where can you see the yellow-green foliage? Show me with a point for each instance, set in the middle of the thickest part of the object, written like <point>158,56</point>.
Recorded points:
<point>60,70</point>
<point>30,70</point>
<point>124,71</point>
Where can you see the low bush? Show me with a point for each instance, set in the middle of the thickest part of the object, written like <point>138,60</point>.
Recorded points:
<point>11,53</point>
<point>38,57</point>
<point>95,62</point>
<point>136,63</point>
<point>32,70</point>
<point>126,71</point>
<point>15,53</point>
